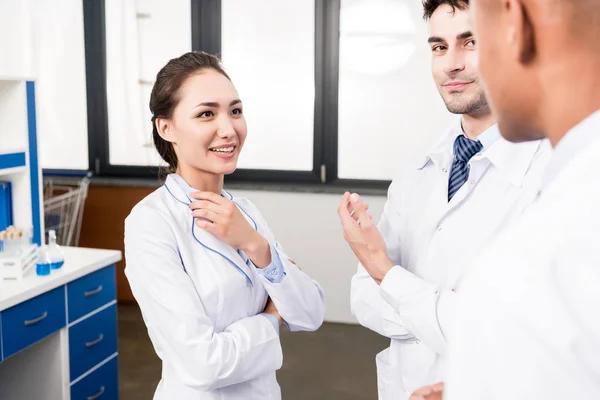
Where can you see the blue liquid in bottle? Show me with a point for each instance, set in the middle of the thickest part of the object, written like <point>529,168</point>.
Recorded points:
<point>42,269</point>
<point>50,257</point>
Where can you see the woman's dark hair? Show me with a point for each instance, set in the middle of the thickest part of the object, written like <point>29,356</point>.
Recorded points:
<point>429,6</point>
<point>164,97</point>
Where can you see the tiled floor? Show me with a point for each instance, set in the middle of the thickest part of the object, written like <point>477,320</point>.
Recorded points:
<point>335,363</point>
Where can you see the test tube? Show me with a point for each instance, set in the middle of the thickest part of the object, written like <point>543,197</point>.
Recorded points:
<point>2,239</point>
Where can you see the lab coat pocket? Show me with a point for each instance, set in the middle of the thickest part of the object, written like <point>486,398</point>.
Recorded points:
<point>389,376</point>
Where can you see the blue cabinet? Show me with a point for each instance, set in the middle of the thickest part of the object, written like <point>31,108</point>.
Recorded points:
<point>89,303</point>
<point>101,384</point>
<point>90,292</point>
<point>92,340</point>
<point>33,320</point>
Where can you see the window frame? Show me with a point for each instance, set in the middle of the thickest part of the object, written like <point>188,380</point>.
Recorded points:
<point>206,36</point>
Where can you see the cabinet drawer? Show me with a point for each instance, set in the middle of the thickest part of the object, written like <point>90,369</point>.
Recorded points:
<point>32,320</point>
<point>92,340</point>
<point>90,292</point>
<point>102,384</point>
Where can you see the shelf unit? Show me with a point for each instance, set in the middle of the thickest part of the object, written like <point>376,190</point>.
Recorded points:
<point>18,152</point>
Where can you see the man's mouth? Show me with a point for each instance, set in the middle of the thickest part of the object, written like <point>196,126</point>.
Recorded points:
<point>457,85</point>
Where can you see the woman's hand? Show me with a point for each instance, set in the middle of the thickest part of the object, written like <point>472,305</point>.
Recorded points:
<point>432,392</point>
<point>222,218</point>
<point>272,310</point>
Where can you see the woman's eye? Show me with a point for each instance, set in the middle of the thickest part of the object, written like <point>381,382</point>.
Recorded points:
<point>205,114</point>
<point>236,111</point>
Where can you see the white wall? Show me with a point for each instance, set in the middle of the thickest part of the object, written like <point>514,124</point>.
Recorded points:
<point>308,228</point>
<point>15,39</point>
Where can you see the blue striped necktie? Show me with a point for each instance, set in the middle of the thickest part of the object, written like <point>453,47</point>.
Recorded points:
<point>464,149</point>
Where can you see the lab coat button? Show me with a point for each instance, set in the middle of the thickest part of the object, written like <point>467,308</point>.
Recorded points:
<point>444,170</point>
<point>472,181</point>
<point>439,228</point>
<point>274,272</point>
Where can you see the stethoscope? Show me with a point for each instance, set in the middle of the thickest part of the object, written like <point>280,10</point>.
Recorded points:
<point>210,248</point>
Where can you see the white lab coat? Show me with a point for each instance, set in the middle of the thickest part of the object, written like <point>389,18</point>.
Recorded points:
<point>432,240</point>
<point>201,311</point>
<point>527,322</point>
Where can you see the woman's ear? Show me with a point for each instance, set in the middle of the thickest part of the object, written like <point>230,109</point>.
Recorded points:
<point>165,129</point>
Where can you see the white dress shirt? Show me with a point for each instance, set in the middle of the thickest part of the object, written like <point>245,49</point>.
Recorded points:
<point>528,325</point>
<point>432,241</point>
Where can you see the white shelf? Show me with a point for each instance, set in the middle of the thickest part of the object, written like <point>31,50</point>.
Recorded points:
<point>12,171</point>
<point>8,78</point>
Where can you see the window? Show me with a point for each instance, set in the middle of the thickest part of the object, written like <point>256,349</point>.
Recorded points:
<point>335,92</point>
<point>58,60</point>
<point>389,108</point>
<point>275,79</point>
<point>141,36</point>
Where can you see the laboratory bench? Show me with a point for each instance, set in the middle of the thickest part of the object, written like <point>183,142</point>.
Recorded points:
<point>58,333</point>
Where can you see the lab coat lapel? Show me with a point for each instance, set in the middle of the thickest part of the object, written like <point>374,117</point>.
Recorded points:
<point>244,212</point>
<point>181,191</point>
<point>212,243</point>
<point>439,203</point>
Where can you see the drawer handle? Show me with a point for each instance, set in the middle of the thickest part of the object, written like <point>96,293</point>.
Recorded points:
<point>94,397</point>
<point>94,342</point>
<point>36,320</point>
<point>93,292</point>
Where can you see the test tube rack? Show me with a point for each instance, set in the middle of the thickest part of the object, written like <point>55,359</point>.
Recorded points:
<point>16,266</point>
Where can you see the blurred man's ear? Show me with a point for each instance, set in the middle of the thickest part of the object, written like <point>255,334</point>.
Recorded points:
<point>521,34</point>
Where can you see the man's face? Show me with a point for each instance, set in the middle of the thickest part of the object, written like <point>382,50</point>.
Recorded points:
<point>454,61</point>
<point>509,80</point>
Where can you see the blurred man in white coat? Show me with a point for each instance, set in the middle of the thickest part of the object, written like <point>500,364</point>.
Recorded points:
<point>440,210</point>
<point>527,322</point>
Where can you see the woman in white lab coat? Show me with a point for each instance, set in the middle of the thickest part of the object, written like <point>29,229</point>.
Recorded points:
<point>211,281</point>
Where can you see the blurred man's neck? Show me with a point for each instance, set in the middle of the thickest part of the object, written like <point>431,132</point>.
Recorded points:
<point>575,95</point>
<point>475,124</point>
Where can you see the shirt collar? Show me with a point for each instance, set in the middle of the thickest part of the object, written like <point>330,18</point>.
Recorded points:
<point>442,149</point>
<point>577,139</point>
<point>181,190</point>
<point>512,159</point>
<point>489,137</point>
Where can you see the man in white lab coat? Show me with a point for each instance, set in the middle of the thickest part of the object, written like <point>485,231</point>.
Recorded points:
<point>441,209</point>
<point>528,324</point>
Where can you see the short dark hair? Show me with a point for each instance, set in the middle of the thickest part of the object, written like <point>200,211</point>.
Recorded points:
<point>164,99</point>
<point>429,6</point>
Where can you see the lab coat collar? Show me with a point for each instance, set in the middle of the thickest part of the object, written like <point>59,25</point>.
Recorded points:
<point>440,153</point>
<point>181,191</point>
<point>576,140</point>
<point>512,159</point>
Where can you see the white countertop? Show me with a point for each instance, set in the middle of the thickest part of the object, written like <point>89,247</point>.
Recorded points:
<point>79,261</point>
